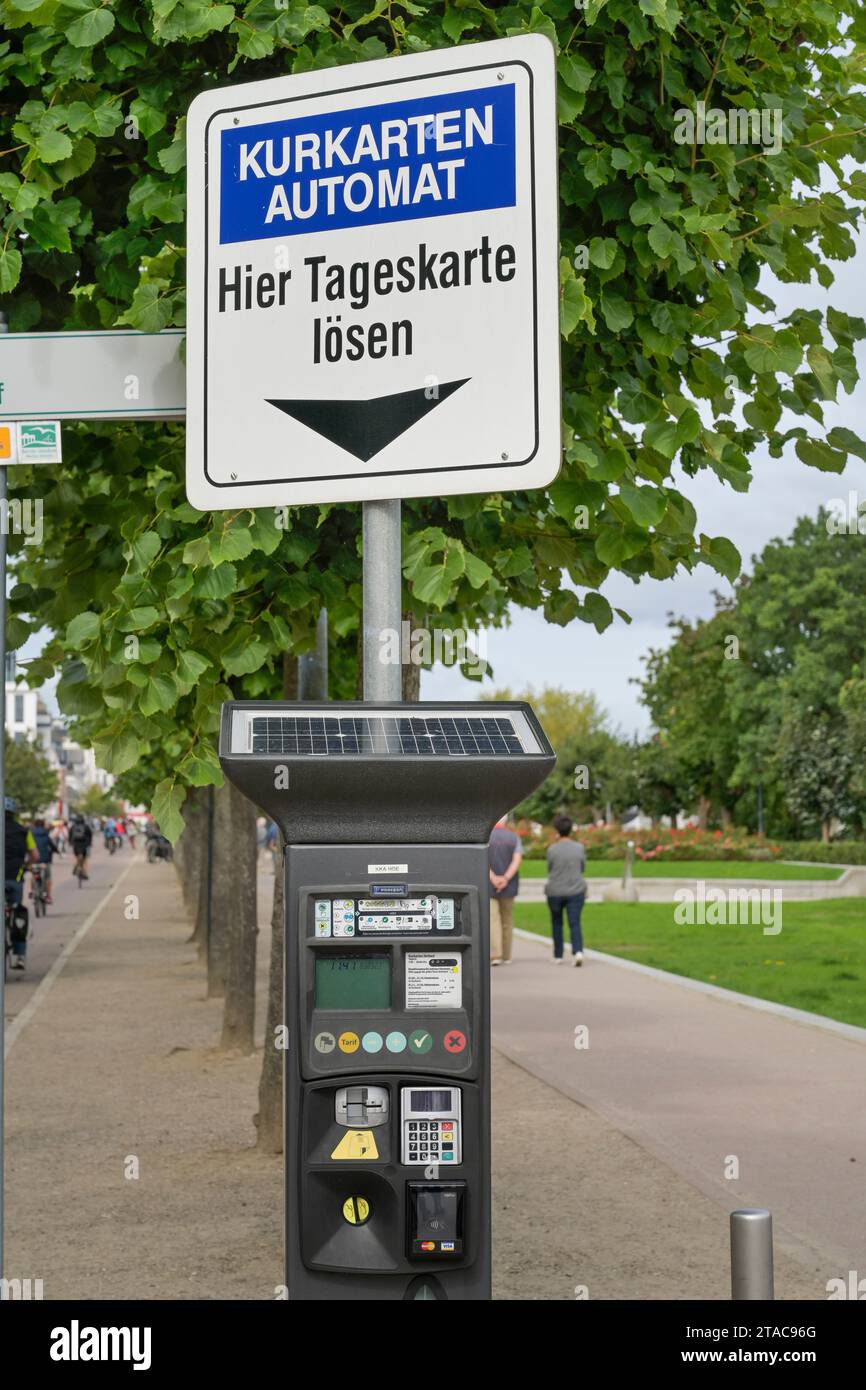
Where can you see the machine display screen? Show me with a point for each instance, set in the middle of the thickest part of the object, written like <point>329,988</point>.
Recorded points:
<point>356,981</point>
<point>429,1102</point>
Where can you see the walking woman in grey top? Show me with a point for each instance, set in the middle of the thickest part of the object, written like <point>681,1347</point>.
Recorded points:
<point>566,888</point>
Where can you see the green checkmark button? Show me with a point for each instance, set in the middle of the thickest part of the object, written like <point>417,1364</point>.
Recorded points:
<point>420,1041</point>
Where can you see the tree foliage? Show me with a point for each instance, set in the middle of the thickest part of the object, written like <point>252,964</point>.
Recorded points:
<point>664,320</point>
<point>783,707</point>
<point>30,779</point>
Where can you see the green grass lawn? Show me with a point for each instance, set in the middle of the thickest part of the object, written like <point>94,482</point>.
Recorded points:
<point>698,868</point>
<point>816,962</point>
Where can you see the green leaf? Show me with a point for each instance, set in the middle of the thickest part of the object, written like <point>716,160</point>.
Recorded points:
<point>203,770</point>
<point>138,619</point>
<point>841,438</point>
<point>574,307</point>
<point>819,455</point>
<point>191,666</point>
<point>575,71</point>
<point>119,754</point>
<point>145,549</point>
<point>245,654</point>
<point>82,628</point>
<point>10,269</point>
<point>597,609</point>
<point>602,252</point>
<point>166,806</point>
<point>478,572</point>
<point>722,554</point>
<point>647,505</point>
<point>617,312</point>
<point>661,435</point>
<point>91,28</point>
<point>160,695</point>
<point>234,542</point>
<point>53,145</point>
<point>821,363</point>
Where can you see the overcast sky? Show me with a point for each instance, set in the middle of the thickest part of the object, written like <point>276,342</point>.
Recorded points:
<point>533,652</point>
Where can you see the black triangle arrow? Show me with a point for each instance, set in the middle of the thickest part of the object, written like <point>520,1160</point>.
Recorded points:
<point>363,428</point>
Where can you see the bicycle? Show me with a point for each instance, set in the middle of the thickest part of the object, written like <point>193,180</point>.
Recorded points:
<point>17,924</point>
<point>78,866</point>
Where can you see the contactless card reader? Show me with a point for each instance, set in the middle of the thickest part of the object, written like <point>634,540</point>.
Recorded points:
<point>386,812</point>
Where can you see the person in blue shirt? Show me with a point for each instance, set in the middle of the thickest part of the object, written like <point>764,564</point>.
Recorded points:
<point>46,848</point>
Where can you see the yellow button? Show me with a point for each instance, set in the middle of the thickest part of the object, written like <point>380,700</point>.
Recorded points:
<point>356,1210</point>
<point>348,1042</point>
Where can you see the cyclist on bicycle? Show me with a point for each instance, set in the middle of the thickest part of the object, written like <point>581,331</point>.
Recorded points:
<point>47,848</point>
<point>80,838</point>
<point>20,851</point>
<point>109,830</point>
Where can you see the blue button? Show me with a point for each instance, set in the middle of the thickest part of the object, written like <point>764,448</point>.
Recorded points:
<point>372,1042</point>
<point>396,1042</point>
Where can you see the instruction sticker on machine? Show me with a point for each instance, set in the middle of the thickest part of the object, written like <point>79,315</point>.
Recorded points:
<point>434,980</point>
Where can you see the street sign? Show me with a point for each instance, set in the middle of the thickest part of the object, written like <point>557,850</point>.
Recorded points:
<point>116,374</point>
<point>373,280</point>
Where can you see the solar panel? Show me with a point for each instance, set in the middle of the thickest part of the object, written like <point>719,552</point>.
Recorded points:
<point>433,736</point>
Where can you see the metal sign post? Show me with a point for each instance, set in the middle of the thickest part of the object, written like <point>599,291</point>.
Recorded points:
<point>381,597</point>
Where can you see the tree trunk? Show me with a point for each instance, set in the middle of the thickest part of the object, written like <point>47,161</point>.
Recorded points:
<point>224,849</point>
<point>703,812</point>
<point>191,847</point>
<point>241,927</point>
<point>727,818</point>
<point>825,831</point>
<point>270,1117</point>
<point>204,897</point>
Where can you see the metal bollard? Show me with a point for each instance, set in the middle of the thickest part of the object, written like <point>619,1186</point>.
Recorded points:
<point>752,1255</point>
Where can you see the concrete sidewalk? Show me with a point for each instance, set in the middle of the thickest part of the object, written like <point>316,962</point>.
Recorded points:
<point>700,1081</point>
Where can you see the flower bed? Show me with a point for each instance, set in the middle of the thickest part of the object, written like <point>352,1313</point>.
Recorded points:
<point>610,842</point>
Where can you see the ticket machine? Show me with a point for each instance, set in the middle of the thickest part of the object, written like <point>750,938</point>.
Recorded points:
<point>386,811</point>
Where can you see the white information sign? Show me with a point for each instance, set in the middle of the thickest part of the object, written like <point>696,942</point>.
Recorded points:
<point>434,980</point>
<point>373,296</point>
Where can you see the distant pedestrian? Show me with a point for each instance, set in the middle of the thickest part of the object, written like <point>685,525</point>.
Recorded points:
<point>566,888</point>
<point>272,843</point>
<point>504,853</point>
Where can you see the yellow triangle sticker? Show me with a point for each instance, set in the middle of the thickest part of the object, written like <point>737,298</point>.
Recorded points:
<point>355,1144</point>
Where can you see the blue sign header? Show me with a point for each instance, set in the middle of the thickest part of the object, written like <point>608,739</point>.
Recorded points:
<point>428,157</point>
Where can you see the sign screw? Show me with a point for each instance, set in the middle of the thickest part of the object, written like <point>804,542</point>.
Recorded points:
<point>499,76</point>
<point>236,120</point>
<point>503,457</point>
<point>234,476</point>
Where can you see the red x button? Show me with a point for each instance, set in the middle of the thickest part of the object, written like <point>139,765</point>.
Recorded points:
<point>455,1041</point>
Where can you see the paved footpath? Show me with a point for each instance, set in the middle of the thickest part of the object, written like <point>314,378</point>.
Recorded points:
<point>695,1079</point>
